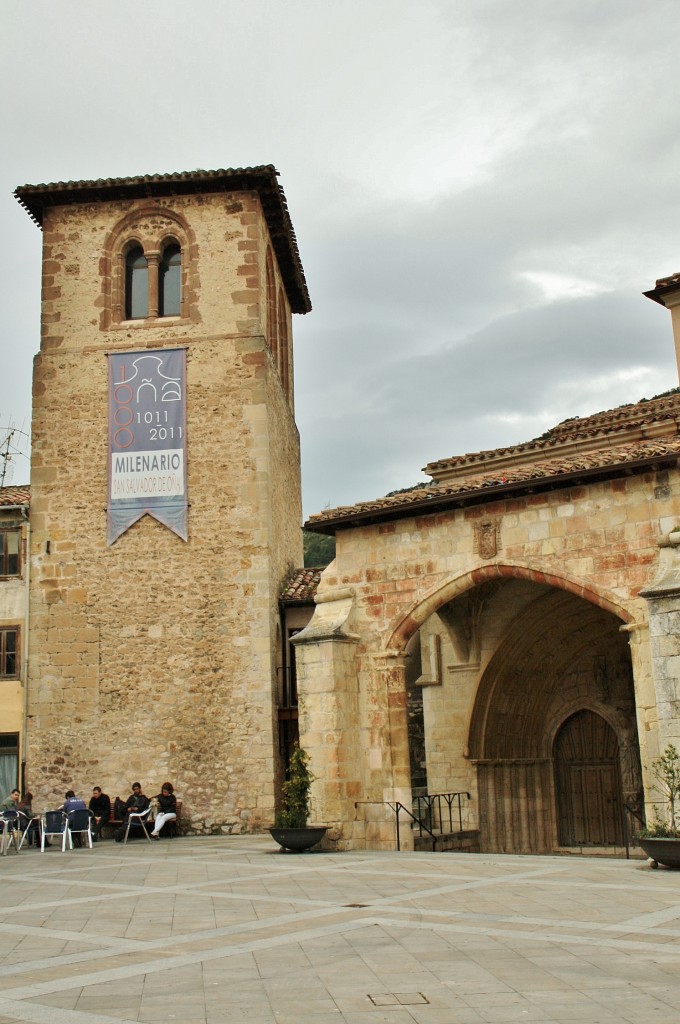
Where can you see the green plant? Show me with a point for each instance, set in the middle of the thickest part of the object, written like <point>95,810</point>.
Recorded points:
<point>666,771</point>
<point>295,790</point>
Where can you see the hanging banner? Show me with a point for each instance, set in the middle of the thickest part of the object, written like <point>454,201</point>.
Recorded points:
<point>147,440</point>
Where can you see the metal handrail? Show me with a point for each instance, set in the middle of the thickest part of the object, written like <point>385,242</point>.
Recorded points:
<point>437,807</point>
<point>433,809</point>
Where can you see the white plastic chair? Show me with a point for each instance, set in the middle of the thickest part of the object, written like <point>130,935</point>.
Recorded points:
<point>11,833</point>
<point>30,823</point>
<point>137,818</point>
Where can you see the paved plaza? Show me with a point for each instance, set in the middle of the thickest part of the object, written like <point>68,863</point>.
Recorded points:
<point>229,929</point>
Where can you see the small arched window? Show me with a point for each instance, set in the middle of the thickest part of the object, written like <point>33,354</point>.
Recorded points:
<point>170,281</point>
<point>136,284</point>
<point>272,326</point>
<point>283,342</point>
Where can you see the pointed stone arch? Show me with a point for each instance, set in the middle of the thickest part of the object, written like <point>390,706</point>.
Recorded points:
<point>560,651</point>
<point>443,594</point>
<point>561,656</point>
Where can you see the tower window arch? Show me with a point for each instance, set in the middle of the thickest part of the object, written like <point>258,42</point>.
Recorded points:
<point>170,280</point>
<point>149,270</point>
<point>272,325</point>
<point>284,354</point>
<point>136,284</point>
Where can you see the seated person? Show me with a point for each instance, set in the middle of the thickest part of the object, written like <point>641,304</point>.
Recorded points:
<point>11,802</point>
<point>100,809</point>
<point>9,809</point>
<point>136,803</point>
<point>167,808</point>
<point>73,803</point>
<point>29,821</point>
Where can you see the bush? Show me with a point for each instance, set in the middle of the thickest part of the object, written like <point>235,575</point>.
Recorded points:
<point>296,798</point>
<point>666,771</point>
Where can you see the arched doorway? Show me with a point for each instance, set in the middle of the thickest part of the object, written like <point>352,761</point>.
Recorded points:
<point>588,782</point>
<point>557,682</point>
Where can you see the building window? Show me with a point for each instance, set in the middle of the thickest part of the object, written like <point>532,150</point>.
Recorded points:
<point>170,281</point>
<point>149,270</point>
<point>9,653</point>
<point>136,284</point>
<point>9,762</point>
<point>283,342</point>
<point>272,325</point>
<point>153,284</point>
<point>10,550</point>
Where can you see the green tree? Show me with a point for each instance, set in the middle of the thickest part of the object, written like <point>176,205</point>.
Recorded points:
<point>319,550</point>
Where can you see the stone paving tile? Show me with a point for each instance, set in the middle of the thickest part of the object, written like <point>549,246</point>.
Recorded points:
<point>206,931</point>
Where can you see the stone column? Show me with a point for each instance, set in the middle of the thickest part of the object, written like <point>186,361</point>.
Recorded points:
<point>663,599</point>
<point>326,665</point>
<point>393,763</point>
<point>152,262</point>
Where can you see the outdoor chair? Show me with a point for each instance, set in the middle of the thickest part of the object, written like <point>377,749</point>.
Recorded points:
<point>54,825</point>
<point>31,827</point>
<point>137,819</point>
<point>80,822</point>
<point>9,823</point>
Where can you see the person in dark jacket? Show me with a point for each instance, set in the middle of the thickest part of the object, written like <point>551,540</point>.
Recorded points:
<point>29,822</point>
<point>136,803</point>
<point>167,808</point>
<point>100,809</point>
<point>72,802</point>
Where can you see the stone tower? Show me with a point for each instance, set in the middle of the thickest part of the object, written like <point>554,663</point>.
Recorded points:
<point>165,482</point>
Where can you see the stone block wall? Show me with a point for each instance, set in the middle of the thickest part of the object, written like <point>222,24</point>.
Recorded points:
<point>598,541</point>
<point>154,658</point>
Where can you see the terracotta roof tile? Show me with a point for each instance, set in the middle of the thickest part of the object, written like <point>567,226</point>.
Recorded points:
<point>591,446</point>
<point>301,587</point>
<point>263,180</point>
<point>15,495</point>
<point>656,416</point>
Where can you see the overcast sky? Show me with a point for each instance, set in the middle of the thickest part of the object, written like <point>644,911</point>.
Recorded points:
<point>481,190</point>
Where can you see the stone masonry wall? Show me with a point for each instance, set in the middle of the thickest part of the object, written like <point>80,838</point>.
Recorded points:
<point>152,658</point>
<point>598,541</point>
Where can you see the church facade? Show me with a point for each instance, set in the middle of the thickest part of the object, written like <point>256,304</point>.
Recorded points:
<point>523,610</point>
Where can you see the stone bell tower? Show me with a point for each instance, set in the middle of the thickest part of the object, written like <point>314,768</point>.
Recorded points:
<point>165,503</point>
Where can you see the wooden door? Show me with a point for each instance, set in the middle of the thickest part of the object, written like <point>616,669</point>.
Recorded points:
<point>588,782</point>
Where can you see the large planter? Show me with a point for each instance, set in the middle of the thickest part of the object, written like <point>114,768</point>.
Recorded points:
<point>297,840</point>
<point>662,851</point>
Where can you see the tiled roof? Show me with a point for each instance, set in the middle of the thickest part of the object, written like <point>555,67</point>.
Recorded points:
<point>594,446</point>
<point>663,286</point>
<point>302,586</point>
<point>15,495</point>
<point>263,180</point>
<point>648,418</point>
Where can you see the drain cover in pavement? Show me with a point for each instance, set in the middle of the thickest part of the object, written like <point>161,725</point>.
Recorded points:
<point>398,998</point>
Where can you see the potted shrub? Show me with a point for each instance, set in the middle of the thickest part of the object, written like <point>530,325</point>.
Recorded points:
<point>661,839</point>
<point>291,831</point>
